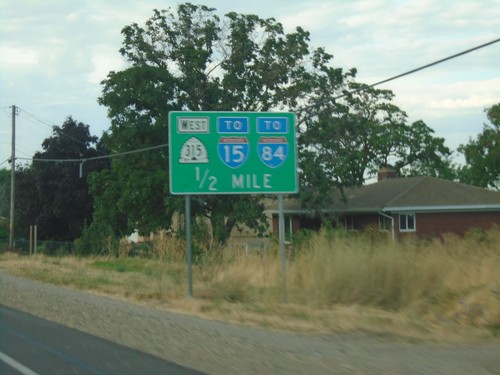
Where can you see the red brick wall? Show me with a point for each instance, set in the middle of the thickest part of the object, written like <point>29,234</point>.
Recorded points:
<point>434,224</point>
<point>427,224</point>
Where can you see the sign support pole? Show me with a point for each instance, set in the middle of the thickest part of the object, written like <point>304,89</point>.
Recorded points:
<point>232,153</point>
<point>187,223</point>
<point>281,228</point>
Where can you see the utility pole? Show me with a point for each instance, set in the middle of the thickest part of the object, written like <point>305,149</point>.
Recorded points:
<point>12,178</point>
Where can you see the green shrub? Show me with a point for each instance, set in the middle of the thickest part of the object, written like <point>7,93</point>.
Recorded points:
<point>97,240</point>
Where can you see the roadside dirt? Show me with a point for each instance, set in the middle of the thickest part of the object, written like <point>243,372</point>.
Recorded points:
<point>221,348</point>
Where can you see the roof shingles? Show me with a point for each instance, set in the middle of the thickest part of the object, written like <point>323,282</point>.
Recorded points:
<point>419,191</point>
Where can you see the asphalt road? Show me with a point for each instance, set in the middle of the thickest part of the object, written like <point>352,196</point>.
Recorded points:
<point>209,346</point>
<point>33,346</point>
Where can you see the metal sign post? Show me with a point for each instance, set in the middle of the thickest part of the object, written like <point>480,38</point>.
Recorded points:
<point>232,153</point>
<point>187,220</point>
<point>281,226</point>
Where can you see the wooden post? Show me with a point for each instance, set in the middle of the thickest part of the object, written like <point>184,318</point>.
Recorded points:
<point>12,179</point>
<point>36,238</point>
<point>31,239</point>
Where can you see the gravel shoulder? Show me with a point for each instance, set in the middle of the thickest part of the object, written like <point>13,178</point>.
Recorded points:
<point>222,348</point>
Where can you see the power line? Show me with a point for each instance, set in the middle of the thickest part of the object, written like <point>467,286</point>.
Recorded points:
<point>365,87</point>
<point>20,152</point>
<point>96,157</point>
<point>419,68</point>
<point>51,127</point>
<point>36,119</point>
<point>337,97</point>
<point>23,152</point>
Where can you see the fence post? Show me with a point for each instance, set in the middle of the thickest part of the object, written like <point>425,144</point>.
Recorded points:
<point>31,239</point>
<point>36,238</point>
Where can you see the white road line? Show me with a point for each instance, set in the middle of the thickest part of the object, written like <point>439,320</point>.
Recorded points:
<point>16,365</point>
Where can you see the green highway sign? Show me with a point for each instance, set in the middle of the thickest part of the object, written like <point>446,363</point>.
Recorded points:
<point>232,153</point>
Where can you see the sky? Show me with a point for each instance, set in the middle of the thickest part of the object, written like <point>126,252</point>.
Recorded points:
<point>55,53</point>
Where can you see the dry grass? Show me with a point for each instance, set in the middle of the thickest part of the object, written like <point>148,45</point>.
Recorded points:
<point>447,290</point>
<point>455,282</point>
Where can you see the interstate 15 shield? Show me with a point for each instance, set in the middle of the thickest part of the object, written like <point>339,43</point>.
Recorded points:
<point>233,151</point>
<point>273,151</point>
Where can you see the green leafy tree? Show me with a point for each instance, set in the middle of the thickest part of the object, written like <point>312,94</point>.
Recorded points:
<point>27,206</point>
<point>347,143</point>
<point>4,192</point>
<point>26,201</point>
<point>419,152</point>
<point>482,155</point>
<point>51,193</point>
<point>193,60</point>
<point>356,136</point>
<point>4,205</point>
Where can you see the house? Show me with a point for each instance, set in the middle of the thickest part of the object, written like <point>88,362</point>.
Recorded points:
<point>422,206</point>
<point>401,207</point>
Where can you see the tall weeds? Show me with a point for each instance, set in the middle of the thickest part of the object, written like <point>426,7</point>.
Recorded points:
<point>455,279</point>
<point>452,280</point>
<point>355,270</point>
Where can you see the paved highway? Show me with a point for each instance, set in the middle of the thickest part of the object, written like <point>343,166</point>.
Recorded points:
<point>35,346</point>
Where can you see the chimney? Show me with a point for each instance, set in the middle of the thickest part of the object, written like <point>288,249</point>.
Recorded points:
<point>386,173</point>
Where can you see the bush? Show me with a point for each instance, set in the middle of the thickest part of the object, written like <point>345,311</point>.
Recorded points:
<point>4,230</point>
<point>97,240</point>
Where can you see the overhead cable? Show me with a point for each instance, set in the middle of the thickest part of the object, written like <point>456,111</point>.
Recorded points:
<point>52,127</point>
<point>418,69</point>
<point>96,157</point>
<point>337,97</point>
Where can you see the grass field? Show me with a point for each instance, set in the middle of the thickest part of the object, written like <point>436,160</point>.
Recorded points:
<point>336,282</point>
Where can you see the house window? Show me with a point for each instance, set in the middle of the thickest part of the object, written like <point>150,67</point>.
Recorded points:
<point>288,221</point>
<point>407,222</point>
<point>384,223</point>
<point>350,222</point>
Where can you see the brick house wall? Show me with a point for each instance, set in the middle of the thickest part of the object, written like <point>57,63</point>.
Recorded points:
<point>436,224</point>
<point>427,224</point>
<point>304,222</point>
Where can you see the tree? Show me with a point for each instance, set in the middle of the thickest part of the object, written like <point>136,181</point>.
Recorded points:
<point>51,193</point>
<point>482,155</point>
<point>4,204</point>
<point>419,152</point>
<point>360,134</point>
<point>4,192</point>
<point>194,61</point>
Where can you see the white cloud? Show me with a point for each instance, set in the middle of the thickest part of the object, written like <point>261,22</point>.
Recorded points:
<point>13,57</point>
<point>466,94</point>
<point>73,16</point>
<point>310,18</point>
<point>103,63</point>
<point>458,103</point>
<point>53,55</point>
